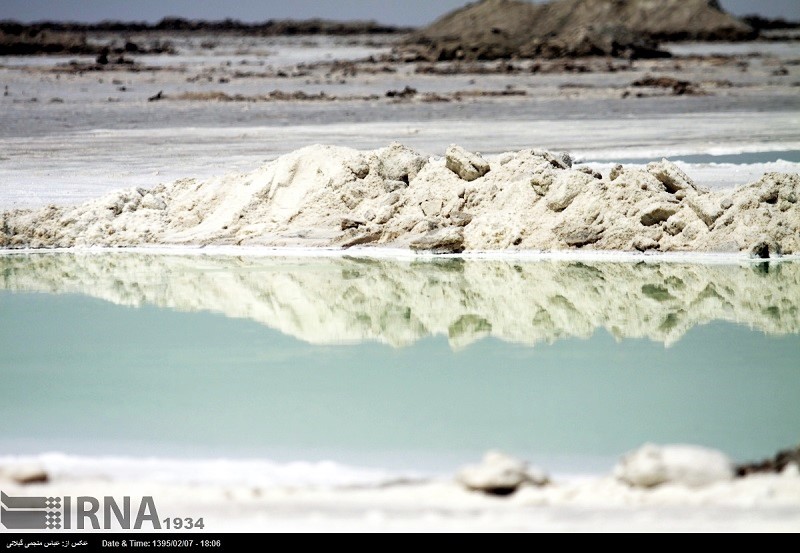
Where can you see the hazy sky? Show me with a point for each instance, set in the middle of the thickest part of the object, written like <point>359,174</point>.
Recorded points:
<point>401,12</point>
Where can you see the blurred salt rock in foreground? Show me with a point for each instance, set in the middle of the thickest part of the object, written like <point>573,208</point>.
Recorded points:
<point>693,466</point>
<point>500,474</point>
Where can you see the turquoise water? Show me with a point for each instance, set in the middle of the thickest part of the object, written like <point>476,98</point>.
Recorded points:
<point>740,158</point>
<point>395,364</point>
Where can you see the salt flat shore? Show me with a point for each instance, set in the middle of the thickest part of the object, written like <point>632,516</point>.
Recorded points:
<point>758,503</point>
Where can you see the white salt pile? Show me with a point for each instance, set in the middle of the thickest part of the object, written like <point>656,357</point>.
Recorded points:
<point>527,200</point>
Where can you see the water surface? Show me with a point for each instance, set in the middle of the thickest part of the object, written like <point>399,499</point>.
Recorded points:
<point>400,364</point>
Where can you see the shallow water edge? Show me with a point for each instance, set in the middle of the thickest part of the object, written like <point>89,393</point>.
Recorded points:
<point>406,254</point>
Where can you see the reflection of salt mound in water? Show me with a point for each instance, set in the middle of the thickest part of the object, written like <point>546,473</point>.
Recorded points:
<point>337,300</point>
<point>527,200</point>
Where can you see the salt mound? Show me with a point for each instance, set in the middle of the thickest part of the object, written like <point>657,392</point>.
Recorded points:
<point>334,196</point>
<point>493,29</point>
<point>500,474</point>
<point>688,465</point>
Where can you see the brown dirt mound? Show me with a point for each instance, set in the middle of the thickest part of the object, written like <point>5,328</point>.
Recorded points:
<point>52,37</point>
<point>27,42</point>
<point>492,29</point>
<point>774,464</point>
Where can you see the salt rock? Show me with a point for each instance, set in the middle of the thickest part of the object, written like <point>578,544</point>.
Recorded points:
<point>559,160</point>
<point>670,175</point>
<point>589,171</point>
<point>792,470</point>
<point>399,163</point>
<point>644,243</point>
<point>657,213</point>
<point>352,222</point>
<point>460,218</point>
<point>500,474</point>
<point>706,208</point>
<point>24,474</point>
<point>150,201</point>
<point>431,208</point>
<point>692,466</point>
<point>444,240</point>
<point>565,189</point>
<point>465,164</point>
